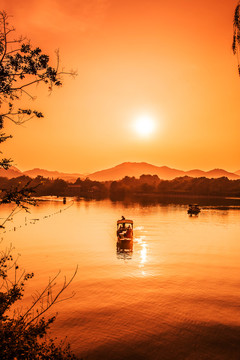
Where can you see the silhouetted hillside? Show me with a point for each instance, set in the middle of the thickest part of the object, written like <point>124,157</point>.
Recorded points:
<point>120,171</point>
<point>12,172</point>
<point>216,173</point>
<point>163,172</point>
<point>51,174</point>
<point>135,169</point>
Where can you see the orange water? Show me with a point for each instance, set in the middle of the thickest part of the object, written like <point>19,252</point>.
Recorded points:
<point>176,296</point>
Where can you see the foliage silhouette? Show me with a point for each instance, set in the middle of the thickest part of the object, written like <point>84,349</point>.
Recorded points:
<point>128,187</point>
<point>236,34</point>
<point>23,335</point>
<point>21,66</point>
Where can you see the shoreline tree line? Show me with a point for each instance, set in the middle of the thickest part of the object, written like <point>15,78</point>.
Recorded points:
<point>128,187</point>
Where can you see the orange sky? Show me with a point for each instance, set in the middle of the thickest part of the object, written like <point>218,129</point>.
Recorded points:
<point>170,60</point>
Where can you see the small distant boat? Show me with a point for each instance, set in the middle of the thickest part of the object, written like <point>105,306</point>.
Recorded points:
<point>193,209</point>
<point>124,229</point>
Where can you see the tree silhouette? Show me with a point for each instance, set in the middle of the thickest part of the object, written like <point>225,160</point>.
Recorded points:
<point>236,34</point>
<point>23,334</point>
<point>21,66</point>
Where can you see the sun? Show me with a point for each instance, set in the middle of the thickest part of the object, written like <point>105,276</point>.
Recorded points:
<point>144,125</point>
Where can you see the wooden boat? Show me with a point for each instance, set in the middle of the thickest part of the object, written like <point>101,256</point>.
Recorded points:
<point>124,248</point>
<point>193,209</point>
<point>124,230</point>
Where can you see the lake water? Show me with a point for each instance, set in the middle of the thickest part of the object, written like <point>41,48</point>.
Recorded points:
<point>175,296</point>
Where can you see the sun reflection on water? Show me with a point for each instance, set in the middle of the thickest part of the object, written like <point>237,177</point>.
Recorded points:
<point>142,252</point>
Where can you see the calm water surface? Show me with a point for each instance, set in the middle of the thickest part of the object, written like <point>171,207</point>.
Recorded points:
<point>176,296</point>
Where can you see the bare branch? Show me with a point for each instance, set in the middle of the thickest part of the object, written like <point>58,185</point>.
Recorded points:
<point>9,216</point>
<point>25,85</point>
<point>12,51</point>
<point>50,299</point>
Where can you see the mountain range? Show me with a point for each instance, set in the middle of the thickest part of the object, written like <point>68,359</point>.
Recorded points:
<point>120,171</point>
<point>15,172</point>
<point>163,172</point>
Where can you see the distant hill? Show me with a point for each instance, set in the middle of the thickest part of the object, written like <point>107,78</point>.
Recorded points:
<point>195,173</point>
<point>216,173</point>
<point>135,169</point>
<point>52,174</point>
<point>163,172</point>
<point>13,172</point>
<point>120,171</point>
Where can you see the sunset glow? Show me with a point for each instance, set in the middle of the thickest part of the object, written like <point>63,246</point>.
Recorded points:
<point>172,58</point>
<point>144,125</point>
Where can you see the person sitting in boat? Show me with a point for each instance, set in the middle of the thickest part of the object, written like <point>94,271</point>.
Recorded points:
<point>121,229</point>
<point>129,232</point>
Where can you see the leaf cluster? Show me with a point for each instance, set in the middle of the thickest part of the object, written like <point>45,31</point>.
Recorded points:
<point>19,195</point>
<point>21,65</point>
